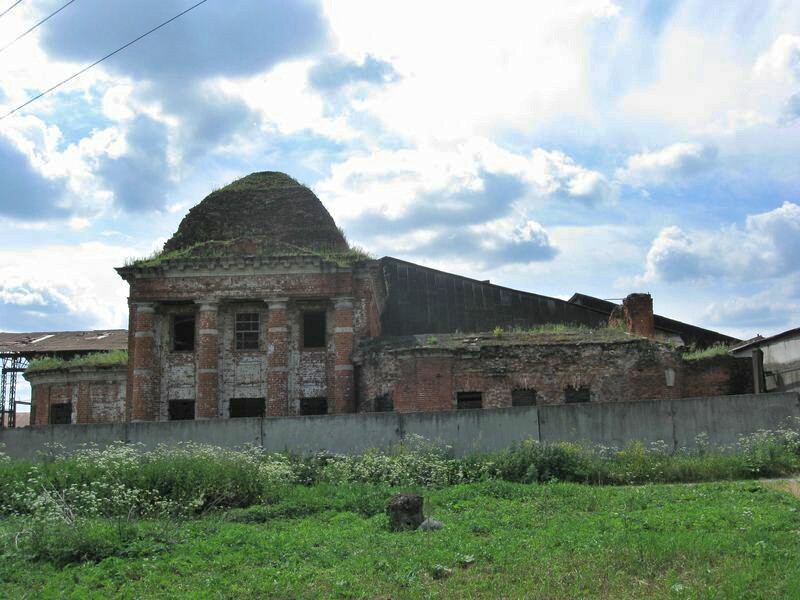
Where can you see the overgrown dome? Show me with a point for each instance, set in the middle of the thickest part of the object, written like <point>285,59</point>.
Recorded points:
<point>263,213</point>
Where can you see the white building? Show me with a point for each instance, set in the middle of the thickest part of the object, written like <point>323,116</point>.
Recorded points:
<point>776,361</point>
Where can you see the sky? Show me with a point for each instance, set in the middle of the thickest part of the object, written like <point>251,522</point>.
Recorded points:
<point>556,147</point>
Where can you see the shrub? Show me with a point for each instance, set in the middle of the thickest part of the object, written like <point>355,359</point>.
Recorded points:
<point>530,462</point>
<point>91,540</point>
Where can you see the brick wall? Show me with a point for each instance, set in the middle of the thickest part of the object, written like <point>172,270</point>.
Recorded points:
<point>281,370</point>
<point>97,394</point>
<point>717,376</point>
<point>429,379</point>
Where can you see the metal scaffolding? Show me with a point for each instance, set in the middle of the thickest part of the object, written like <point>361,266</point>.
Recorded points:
<point>13,365</point>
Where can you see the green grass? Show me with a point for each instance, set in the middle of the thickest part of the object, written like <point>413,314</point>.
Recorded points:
<point>97,359</point>
<point>260,181</point>
<point>218,249</point>
<point>500,539</point>
<point>710,352</point>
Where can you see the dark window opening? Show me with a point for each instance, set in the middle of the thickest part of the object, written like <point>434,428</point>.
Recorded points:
<point>183,333</point>
<point>523,397</point>
<point>61,414</point>
<point>181,410</point>
<point>247,407</point>
<point>314,329</point>
<point>314,406</point>
<point>384,403</point>
<point>579,394</point>
<point>247,326</point>
<point>467,400</point>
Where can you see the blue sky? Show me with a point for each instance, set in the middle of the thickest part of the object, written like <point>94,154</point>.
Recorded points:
<point>589,146</point>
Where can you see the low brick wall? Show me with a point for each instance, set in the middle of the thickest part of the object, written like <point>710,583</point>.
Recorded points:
<point>86,394</point>
<point>717,376</point>
<point>677,422</point>
<point>428,378</point>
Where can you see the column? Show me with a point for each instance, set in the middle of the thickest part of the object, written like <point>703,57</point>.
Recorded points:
<point>144,396</point>
<point>40,403</point>
<point>759,384</point>
<point>83,411</point>
<point>207,358</point>
<point>343,388</point>
<point>277,358</point>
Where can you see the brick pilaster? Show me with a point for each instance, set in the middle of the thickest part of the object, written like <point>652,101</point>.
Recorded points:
<point>144,395</point>
<point>83,412</point>
<point>277,358</point>
<point>207,359</point>
<point>343,384</point>
<point>40,401</point>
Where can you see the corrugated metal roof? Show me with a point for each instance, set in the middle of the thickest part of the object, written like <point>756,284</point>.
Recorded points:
<point>53,342</point>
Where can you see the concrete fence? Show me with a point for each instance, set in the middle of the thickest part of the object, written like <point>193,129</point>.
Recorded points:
<point>676,422</point>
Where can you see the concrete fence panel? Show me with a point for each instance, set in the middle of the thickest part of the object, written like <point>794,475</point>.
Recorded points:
<point>610,424</point>
<point>725,418</point>
<point>30,441</point>
<point>229,433</point>
<point>471,431</point>
<point>344,434</point>
<point>677,422</point>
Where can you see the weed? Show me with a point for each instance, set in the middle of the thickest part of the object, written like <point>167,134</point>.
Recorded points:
<point>112,358</point>
<point>710,352</point>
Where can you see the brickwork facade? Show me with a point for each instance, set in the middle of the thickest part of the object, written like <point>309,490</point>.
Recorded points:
<point>275,293</point>
<point>91,394</point>
<point>431,379</point>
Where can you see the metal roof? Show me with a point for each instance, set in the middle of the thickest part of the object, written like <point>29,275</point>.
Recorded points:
<point>691,334</point>
<point>54,342</point>
<point>758,340</point>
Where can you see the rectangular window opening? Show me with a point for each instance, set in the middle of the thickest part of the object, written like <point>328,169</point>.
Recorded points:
<point>181,410</point>
<point>384,403</point>
<point>468,400</point>
<point>183,333</point>
<point>246,331</point>
<point>247,407</point>
<point>61,413</point>
<point>313,406</point>
<point>523,397</point>
<point>314,329</point>
<point>576,394</point>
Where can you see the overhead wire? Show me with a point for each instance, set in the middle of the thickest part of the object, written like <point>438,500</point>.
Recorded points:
<point>47,18</point>
<point>97,62</point>
<point>10,7</point>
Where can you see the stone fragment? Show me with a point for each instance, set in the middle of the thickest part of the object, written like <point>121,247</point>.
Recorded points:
<point>405,512</point>
<point>430,525</point>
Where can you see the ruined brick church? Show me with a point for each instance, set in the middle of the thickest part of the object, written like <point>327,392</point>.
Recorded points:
<point>257,306</point>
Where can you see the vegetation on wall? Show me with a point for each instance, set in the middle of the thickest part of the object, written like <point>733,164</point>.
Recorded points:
<point>710,352</point>
<point>112,358</point>
<point>220,249</point>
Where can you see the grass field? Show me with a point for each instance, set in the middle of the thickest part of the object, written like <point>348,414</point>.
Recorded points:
<point>500,540</point>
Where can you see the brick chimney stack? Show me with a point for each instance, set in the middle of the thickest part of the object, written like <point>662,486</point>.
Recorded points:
<point>638,313</point>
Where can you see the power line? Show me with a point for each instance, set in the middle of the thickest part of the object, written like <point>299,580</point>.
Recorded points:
<point>10,7</point>
<point>22,35</point>
<point>97,62</point>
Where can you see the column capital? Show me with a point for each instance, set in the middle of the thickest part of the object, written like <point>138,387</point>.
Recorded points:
<point>207,304</point>
<point>277,303</point>
<point>144,307</point>
<point>343,302</point>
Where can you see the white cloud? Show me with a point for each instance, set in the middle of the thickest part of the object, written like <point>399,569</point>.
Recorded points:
<point>79,280</point>
<point>759,310</point>
<point>782,60</point>
<point>393,183</point>
<point>471,67</point>
<point>669,164</point>
<point>767,247</point>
